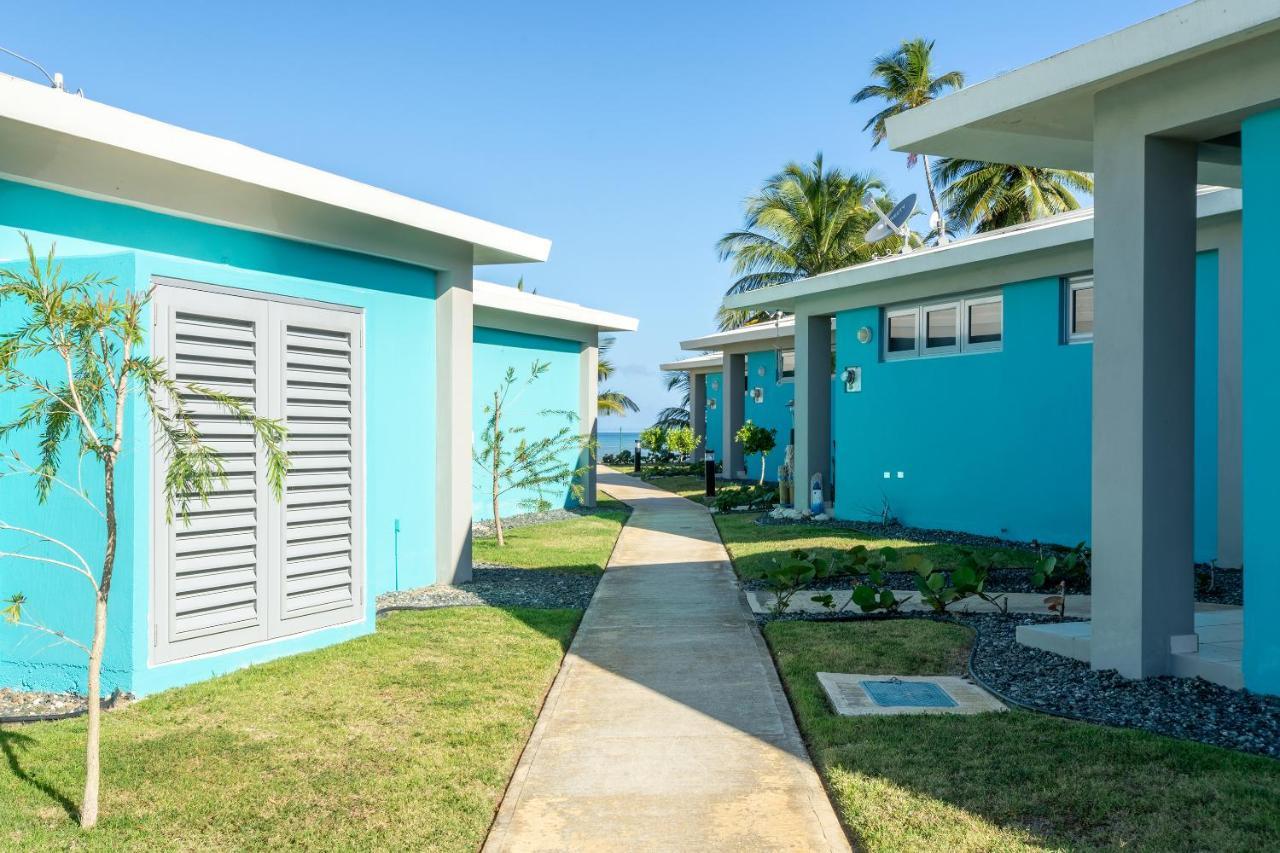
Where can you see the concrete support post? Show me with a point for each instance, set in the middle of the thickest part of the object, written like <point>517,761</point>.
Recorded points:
<point>589,415</point>
<point>454,331</point>
<point>813,405</point>
<point>1143,397</point>
<point>698,412</point>
<point>1261,405</point>
<point>733,380</point>
<point>1230,364</point>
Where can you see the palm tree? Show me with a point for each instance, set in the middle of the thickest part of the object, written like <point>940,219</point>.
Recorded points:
<point>905,81</point>
<point>610,402</point>
<point>986,196</point>
<point>675,416</point>
<point>806,220</point>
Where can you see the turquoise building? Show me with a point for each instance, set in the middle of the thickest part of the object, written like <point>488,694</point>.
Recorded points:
<point>958,394</point>
<point>346,311</point>
<point>1157,112</point>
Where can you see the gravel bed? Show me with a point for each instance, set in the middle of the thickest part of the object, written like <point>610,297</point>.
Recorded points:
<point>908,534</point>
<point>502,586</point>
<point>1220,586</point>
<point>21,703</point>
<point>527,519</point>
<point>1227,584</point>
<point>998,580</point>
<point>1186,708</point>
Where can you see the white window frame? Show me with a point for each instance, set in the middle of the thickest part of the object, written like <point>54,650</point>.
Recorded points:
<point>1071,284</point>
<point>956,308</point>
<point>963,345</point>
<point>782,373</point>
<point>985,346</point>
<point>889,315</point>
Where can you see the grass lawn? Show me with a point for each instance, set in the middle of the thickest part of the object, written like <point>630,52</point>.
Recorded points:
<point>691,486</point>
<point>404,739</point>
<point>1013,781</point>
<point>580,544</point>
<point>754,547</point>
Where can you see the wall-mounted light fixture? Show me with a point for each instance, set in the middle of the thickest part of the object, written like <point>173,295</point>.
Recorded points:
<point>864,335</point>
<point>852,379</point>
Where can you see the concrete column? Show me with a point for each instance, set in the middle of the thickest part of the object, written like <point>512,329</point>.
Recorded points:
<point>698,412</point>
<point>453,424</point>
<point>1143,397</point>
<point>1261,404</point>
<point>813,405</point>
<point>1230,364</point>
<point>589,415</point>
<point>732,381</point>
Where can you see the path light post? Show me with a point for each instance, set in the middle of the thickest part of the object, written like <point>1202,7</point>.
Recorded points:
<point>710,468</point>
<point>636,469</point>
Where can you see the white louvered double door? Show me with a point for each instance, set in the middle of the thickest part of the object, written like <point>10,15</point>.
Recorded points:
<point>249,568</point>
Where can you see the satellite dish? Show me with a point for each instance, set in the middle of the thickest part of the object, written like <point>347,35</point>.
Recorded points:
<point>895,223</point>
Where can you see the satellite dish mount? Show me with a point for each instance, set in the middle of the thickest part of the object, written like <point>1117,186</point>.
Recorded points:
<point>893,224</point>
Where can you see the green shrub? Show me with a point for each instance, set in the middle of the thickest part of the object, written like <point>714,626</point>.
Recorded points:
<point>940,589</point>
<point>756,440</point>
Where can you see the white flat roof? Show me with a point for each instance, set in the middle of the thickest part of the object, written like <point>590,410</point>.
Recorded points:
<point>55,139</point>
<point>1042,114</point>
<point>1050,232</point>
<point>500,297</point>
<point>698,362</point>
<point>781,328</point>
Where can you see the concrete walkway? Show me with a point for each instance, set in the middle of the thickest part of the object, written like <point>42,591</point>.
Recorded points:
<point>667,727</point>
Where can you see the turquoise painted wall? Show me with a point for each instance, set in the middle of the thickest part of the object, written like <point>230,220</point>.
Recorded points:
<point>534,406</point>
<point>771,412</point>
<point>1261,401</point>
<point>714,416</point>
<point>995,443</point>
<point>399,315</point>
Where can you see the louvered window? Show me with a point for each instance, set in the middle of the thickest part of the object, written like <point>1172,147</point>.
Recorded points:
<point>249,568</point>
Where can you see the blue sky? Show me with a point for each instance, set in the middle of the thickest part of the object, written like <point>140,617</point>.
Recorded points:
<point>627,133</point>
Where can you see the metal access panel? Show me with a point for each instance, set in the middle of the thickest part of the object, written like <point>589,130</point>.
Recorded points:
<point>248,568</point>
<point>907,694</point>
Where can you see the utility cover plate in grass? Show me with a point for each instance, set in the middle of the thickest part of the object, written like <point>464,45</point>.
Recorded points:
<point>896,693</point>
<point>859,694</point>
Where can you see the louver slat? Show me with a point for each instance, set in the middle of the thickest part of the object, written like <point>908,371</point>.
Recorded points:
<point>319,518</point>
<point>215,588</point>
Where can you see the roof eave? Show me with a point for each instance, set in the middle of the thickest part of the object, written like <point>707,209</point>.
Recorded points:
<point>53,139</point>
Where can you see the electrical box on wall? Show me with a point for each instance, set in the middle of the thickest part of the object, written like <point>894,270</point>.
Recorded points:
<point>852,377</point>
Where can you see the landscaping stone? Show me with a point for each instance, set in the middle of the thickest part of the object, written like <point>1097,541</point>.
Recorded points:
<point>502,586</point>
<point>527,519</point>
<point>21,703</point>
<point>1187,708</point>
<point>896,531</point>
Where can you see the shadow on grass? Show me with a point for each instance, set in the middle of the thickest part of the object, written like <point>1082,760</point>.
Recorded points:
<point>1001,781</point>
<point>11,743</point>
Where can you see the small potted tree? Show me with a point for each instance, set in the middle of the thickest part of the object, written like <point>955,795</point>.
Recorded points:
<point>756,440</point>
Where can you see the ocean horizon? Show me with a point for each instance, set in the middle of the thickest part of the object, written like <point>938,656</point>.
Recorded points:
<point>614,441</point>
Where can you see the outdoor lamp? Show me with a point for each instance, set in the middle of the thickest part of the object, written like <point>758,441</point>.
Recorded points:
<point>709,467</point>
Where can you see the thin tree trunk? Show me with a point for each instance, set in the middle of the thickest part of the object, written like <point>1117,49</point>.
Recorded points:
<point>764,462</point>
<point>93,739</point>
<point>933,199</point>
